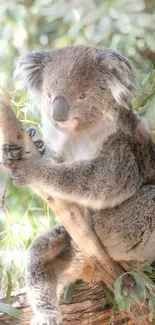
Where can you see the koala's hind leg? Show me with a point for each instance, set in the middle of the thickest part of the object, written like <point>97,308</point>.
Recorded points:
<point>53,263</point>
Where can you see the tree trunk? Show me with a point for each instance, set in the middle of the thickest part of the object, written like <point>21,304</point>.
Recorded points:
<point>85,308</point>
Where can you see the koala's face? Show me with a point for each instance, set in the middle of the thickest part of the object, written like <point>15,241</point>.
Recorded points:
<point>75,84</point>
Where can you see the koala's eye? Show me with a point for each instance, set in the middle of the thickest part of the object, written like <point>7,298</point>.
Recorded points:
<point>82,96</point>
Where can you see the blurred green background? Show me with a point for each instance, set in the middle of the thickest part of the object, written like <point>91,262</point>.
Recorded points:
<point>25,25</point>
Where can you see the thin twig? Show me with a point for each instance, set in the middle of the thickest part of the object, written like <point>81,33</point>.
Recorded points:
<point>4,193</point>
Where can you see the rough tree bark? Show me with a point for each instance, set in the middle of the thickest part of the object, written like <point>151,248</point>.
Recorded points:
<point>85,308</point>
<point>68,213</point>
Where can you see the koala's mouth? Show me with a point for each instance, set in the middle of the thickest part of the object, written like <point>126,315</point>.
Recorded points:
<point>71,123</point>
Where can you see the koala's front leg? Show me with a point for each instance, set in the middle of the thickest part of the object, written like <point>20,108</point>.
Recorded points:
<point>93,183</point>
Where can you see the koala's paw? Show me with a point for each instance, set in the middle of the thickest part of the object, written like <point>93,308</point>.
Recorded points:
<point>60,239</point>
<point>11,153</point>
<point>127,285</point>
<point>59,233</point>
<point>58,230</point>
<point>40,145</point>
<point>42,319</point>
<point>22,170</point>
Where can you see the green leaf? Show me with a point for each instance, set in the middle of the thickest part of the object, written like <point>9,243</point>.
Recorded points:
<point>31,219</point>
<point>69,292</point>
<point>9,286</point>
<point>151,314</point>
<point>147,269</point>
<point>118,296</point>
<point>142,318</point>
<point>148,280</point>
<point>141,292</point>
<point>146,263</point>
<point>105,304</point>
<point>127,302</point>
<point>146,79</point>
<point>108,293</point>
<point>117,287</point>
<point>29,241</point>
<point>5,308</point>
<point>135,297</point>
<point>139,279</point>
<point>152,299</point>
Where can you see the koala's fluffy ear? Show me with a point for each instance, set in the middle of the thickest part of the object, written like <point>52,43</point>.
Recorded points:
<point>31,69</point>
<point>120,76</point>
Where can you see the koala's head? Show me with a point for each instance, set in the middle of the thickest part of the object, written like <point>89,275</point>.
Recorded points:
<point>78,85</point>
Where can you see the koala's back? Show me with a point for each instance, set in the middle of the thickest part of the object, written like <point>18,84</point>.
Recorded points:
<point>128,230</point>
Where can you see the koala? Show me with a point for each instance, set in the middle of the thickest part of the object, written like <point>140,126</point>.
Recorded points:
<point>93,153</point>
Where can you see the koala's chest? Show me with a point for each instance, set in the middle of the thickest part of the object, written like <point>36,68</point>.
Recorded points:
<point>79,149</point>
<point>71,148</point>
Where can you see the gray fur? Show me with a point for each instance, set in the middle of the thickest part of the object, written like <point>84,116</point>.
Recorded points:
<point>81,66</point>
<point>100,160</point>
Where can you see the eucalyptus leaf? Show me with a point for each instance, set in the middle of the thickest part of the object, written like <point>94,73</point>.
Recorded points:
<point>118,296</point>
<point>5,308</point>
<point>69,292</point>
<point>9,286</point>
<point>147,269</point>
<point>142,318</point>
<point>108,293</point>
<point>139,279</point>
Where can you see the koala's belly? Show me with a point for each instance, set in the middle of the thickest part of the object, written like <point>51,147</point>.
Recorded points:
<point>128,230</point>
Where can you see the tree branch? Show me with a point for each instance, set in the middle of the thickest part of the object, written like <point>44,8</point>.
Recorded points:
<point>85,308</point>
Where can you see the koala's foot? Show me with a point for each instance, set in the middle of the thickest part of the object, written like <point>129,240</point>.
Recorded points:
<point>40,145</point>
<point>43,319</point>
<point>127,284</point>
<point>50,244</point>
<point>59,240</point>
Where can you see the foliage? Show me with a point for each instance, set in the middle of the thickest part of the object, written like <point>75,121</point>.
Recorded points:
<point>144,289</point>
<point>25,25</point>
<point>5,308</point>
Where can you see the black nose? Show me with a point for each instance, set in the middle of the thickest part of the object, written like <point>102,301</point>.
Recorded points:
<point>60,109</point>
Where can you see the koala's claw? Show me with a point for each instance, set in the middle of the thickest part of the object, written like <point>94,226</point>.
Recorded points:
<point>31,131</point>
<point>60,233</point>
<point>40,145</point>
<point>127,285</point>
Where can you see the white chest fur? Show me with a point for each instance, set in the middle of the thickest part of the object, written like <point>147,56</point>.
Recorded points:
<point>71,147</point>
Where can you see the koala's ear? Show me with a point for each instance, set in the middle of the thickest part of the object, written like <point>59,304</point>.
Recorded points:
<point>119,75</point>
<point>31,68</point>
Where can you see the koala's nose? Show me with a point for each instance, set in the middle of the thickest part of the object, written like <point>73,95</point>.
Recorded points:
<point>60,109</point>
